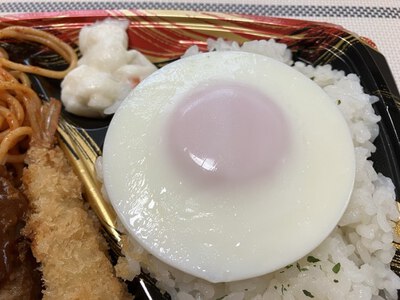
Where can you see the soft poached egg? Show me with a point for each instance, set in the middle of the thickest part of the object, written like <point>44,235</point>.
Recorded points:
<point>228,165</point>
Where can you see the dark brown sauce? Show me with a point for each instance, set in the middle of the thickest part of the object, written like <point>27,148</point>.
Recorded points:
<point>19,274</point>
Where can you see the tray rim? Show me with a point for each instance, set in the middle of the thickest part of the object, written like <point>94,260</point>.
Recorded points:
<point>104,13</point>
<point>61,15</point>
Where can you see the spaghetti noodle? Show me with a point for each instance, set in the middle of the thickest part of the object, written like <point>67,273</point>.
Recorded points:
<point>44,38</point>
<point>54,198</point>
<point>20,106</point>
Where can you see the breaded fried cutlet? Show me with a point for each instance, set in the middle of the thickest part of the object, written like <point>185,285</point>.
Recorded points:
<point>64,238</point>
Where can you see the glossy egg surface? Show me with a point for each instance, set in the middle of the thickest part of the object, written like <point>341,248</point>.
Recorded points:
<point>228,165</point>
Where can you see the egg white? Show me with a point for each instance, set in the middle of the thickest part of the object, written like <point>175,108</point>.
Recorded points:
<point>242,231</point>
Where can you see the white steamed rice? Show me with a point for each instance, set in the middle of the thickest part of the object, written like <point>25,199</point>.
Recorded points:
<point>354,261</point>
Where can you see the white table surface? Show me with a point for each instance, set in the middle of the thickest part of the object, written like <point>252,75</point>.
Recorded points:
<point>377,20</point>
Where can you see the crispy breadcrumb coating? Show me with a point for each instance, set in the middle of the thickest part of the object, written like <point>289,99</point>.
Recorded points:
<point>64,238</point>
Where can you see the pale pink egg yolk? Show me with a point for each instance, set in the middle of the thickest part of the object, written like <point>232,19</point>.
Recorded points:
<point>227,133</point>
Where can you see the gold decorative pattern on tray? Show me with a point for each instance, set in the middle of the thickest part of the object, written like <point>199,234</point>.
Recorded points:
<point>164,36</point>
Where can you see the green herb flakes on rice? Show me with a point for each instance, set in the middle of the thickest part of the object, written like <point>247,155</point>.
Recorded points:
<point>354,261</point>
